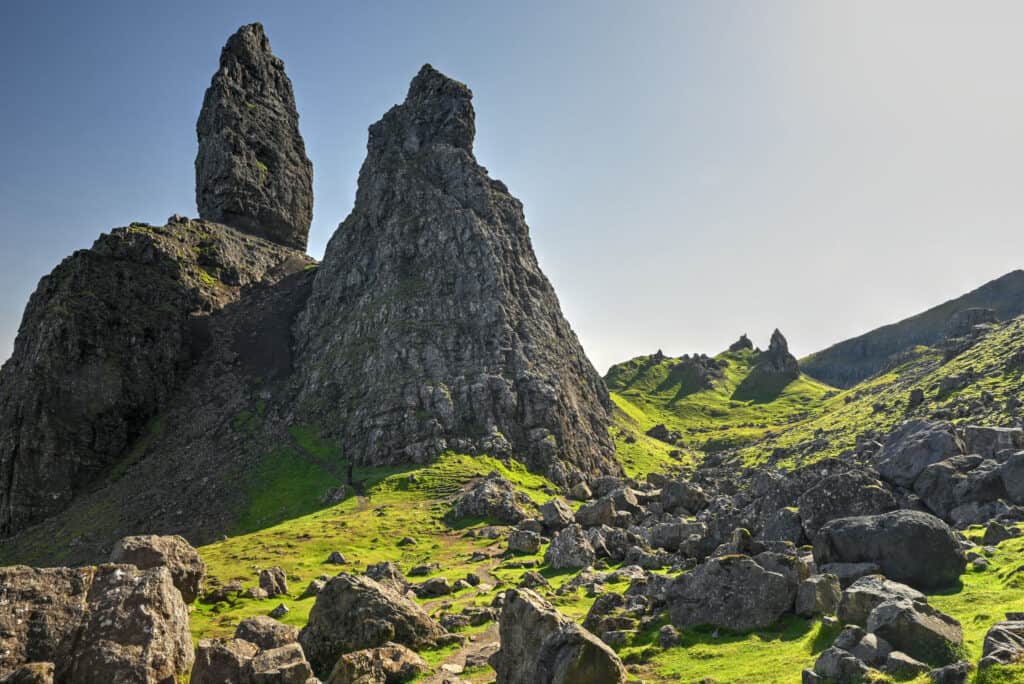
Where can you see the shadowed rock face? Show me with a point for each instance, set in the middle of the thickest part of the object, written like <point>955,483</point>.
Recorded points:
<point>252,172</point>
<point>431,325</point>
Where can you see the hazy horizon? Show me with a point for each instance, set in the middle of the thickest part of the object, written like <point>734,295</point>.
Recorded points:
<point>690,171</point>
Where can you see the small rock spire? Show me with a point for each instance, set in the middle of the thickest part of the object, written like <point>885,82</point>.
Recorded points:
<point>252,172</point>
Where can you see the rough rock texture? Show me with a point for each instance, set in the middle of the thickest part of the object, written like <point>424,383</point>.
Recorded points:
<point>32,673</point>
<point>733,592</point>
<point>354,613</point>
<point>172,551</point>
<point>909,546</point>
<point>1004,644</point>
<point>912,447</point>
<point>540,645</point>
<point>111,623</point>
<point>105,341</point>
<point>867,593</point>
<point>570,548</point>
<point>266,632</point>
<point>818,595</point>
<point>842,495</point>
<point>218,662</point>
<point>918,630</point>
<point>252,172</point>
<point>389,664</point>
<point>777,360</point>
<point>431,325</point>
<point>494,498</point>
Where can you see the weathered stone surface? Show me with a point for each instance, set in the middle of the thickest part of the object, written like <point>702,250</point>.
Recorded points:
<point>389,664</point>
<point>570,548</point>
<point>918,630</point>
<point>95,624</point>
<point>839,666</point>
<point>989,441</point>
<point>914,446</point>
<point>172,551</point>
<point>283,665</point>
<point>818,595</point>
<point>776,360</point>
<point>274,581</point>
<point>105,341</point>
<point>524,541</point>
<point>266,632</point>
<point>867,593</point>
<point>909,546</point>
<point>252,172</point>
<point>222,662</point>
<point>355,613</point>
<point>538,644</point>
<point>959,481</point>
<point>557,514</point>
<point>842,495</point>
<point>732,592</point>
<point>683,496</point>
<point>494,498</point>
<point>32,673</point>
<point>431,325</point>
<point>1004,644</point>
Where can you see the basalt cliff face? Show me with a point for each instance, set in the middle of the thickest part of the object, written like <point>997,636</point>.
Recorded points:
<point>431,325</point>
<point>155,374</point>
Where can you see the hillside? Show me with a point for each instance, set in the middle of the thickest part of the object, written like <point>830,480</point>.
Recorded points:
<point>850,361</point>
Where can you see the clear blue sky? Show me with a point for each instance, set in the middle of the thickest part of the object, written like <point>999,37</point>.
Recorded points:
<point>690,170</point>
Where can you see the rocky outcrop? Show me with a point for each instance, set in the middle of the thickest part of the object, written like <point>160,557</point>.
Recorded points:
<point>106,340</point>
<point>237,661</point>
<point>538,644</point>
<point>777,361</point>
<point>909,546</point>
<point>493,498</point>
<point>355,613</point>
<point>431,325</point>
<point>266,632</point>
<point>389,664</point>
<point>742,344</point>
<point>252,172</point>
<point>912,447</point>
<point>1004,644</point>
<point>173,552</point>
<point>111,623</point>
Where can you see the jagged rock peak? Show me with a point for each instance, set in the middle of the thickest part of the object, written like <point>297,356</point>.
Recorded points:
<point>437,109</point>
<point>431,325</point>
<point>777,360</point>
<point>252,172</point>
<point>744,343</point>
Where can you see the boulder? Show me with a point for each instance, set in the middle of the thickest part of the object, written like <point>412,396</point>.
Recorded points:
<point>957,673</point>
<point>30,673</point>
<point>1004,644</point>
<point>493,498</point>
<point>524,541</point>
<point>848,573</point>
<point>842,495</point>
<point>1012,474</point>
<point>834,665</point>
<point>173,552</point>
<point>355,613</point>
<point>989,441</point>
<point>958,481</point>
<point>869,592</point>
<point>538,644</point>
<point>570,548</point>
<point>283,665</point>
<point>557,514</point>
<point>266,632</point>
<point>220,662</point>
<point>682,496</point>
<point>732,592</point>
<point>909,546</point>
<point>388,574</point>
<point>918,630</point>
<point>274,582</point>
<point>388,664</point>
<point>818,595</point>
<point>597,513</point>
<point>97,625</point>
<point>912,447</point>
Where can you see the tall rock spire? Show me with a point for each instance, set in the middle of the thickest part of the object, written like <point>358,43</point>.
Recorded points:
<point>431,325</point>
<point>252,172</point>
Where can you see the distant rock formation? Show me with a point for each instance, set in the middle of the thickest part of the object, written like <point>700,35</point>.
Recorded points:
<point>252,172</point>
<point>741,344</point>
<point>105,341</point>
<point>431,325</point>
<point>858,358</point>
<point>777,360</point>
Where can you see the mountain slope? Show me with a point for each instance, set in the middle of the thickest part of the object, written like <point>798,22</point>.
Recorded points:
<point>848,362</point>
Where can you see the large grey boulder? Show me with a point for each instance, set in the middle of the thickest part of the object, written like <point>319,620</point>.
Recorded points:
<point>222,661</point>
<point>909,546</point>
<point>570,548</point>
<point>171,551</point>
<point>557,514</point>
<point>388,664</point>
<point>841,495</point>
<point>494,498</point>
<point>1012,474</point>
<point>818,595</point>
<point>912,447</point>
<point>989,441</point>
<point>354,613</point>
<point>252,172</point>
<point>539,645</point>
<point>867,593</point>
<point>266,632</point>
<point>957,481</point>
<point>110,623</point>
<point>918,630</point>
<point>1004,644</point>
<point>461,341</point>
<point>733,592</point>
